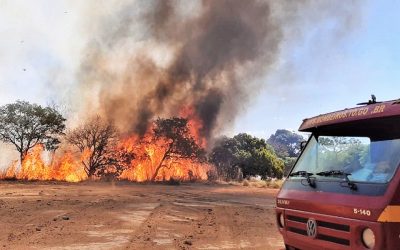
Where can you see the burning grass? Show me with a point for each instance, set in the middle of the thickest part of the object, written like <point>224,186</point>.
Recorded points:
<point>34,167</point>
<point>168,152</point>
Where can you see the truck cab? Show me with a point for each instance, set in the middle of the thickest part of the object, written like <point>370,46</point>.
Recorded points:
<point>343,191</point>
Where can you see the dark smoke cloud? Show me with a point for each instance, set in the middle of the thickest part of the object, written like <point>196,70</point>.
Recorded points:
<point>154,58</point>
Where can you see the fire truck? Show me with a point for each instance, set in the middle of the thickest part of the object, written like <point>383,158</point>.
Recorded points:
<point>343,192</point>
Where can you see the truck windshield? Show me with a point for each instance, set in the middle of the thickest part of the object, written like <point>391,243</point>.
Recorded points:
<point>364,160</point>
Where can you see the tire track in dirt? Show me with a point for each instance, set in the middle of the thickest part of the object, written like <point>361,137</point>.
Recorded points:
<point>172,226</point>
<point>194,222</point>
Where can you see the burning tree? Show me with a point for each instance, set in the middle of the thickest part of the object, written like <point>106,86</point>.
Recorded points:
<point>26,125</point>
<point>97,141</point>
<point>178,142</point>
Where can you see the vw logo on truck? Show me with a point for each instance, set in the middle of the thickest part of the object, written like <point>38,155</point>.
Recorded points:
<point>346,179</point>
<point>312,228</point>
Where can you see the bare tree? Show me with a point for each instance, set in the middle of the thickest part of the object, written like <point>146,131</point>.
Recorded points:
<point>98,139</point>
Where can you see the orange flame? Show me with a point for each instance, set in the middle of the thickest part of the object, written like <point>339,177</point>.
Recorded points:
<point>67,169</point>
<point>33,167</point>
<point>149,156</point>
<point>195,125</point>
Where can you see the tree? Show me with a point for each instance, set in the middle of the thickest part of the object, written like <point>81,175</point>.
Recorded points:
<point>178,142</point>
<point>256,157</point>
<point>26,125</point>
<point>252,155</point>
<point>223,156</point>
<point>97,141</point>
<point>287,146</point>
<point>289,163</point>
<point>285,143</point>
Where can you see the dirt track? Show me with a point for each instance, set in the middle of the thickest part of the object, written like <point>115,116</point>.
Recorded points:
<point>133,216</point>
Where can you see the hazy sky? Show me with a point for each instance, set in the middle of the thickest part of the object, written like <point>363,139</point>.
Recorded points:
<point>41,44</point>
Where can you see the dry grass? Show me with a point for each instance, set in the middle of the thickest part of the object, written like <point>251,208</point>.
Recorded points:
<point>254,182</point>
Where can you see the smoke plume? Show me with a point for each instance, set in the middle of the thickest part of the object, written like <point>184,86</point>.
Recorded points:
<point>155,58</point>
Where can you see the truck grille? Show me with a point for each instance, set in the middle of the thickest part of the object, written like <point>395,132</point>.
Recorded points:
<point>327,230</point>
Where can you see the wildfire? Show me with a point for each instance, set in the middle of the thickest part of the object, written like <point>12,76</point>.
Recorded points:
<point>150,156</point>
<point>149,163</point>
<point>195,125</point>
<point>33,167</point>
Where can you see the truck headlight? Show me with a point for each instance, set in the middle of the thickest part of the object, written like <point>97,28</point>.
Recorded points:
<point>281,220</point>
<point>368,238</point>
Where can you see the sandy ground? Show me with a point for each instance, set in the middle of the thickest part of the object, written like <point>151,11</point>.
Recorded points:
<point>134,216</point>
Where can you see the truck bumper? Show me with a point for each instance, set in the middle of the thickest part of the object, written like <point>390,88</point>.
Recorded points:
<point>332,232</point>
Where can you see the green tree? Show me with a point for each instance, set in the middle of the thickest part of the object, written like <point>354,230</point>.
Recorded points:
<point>289,163</point>
<point>285,143</point>
<point>287,146</point>
<point>179,143</point>
<point>256,157</point>
<point>26,125</point>
<point>224,157</point>
<point>252,155</point>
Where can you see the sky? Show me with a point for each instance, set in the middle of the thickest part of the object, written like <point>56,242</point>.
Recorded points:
<point>41,44</point>
<point>365,62</point>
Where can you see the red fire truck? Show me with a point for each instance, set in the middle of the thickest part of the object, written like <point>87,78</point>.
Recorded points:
<point>344,190</point>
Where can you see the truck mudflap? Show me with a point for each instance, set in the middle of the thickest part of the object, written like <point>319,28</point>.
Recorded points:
<point>305,230</point>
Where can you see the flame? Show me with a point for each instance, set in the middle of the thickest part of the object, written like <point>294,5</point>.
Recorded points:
<point>195,125</point>
<point>149,157</point>
<point>33,167</point>
<point>149,152</point>
<point>68,169</point>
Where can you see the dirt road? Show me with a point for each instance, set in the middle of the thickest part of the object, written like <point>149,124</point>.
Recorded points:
<point>133,216</point>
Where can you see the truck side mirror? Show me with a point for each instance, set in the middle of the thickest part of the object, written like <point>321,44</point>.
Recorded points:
<point>303,145</point>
